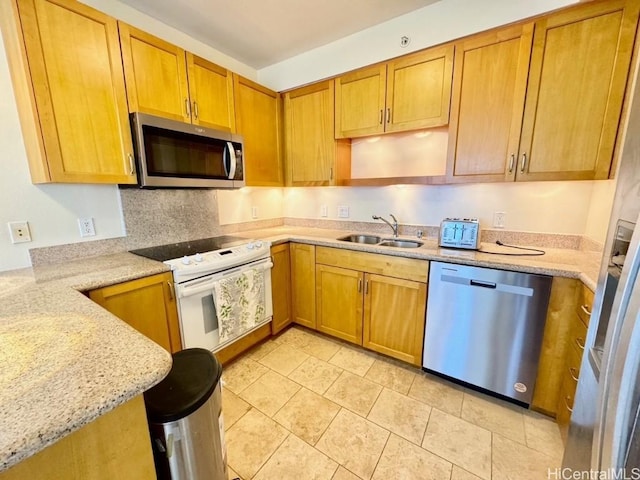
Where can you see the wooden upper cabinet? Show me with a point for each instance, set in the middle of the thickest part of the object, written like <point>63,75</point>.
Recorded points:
<point>258,121</point>
<point>489,86</point>
<point>579,66</point>
<point>408,93</point>
<point>360,102</point>
<point>156,74</point>
<point>211,93</point>
<point>164,80</point>
<point>69,85</point>
<point>313,156</point>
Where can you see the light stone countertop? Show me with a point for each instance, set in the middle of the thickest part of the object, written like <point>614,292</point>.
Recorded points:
<point>582,265</point>
<point>66,361</point>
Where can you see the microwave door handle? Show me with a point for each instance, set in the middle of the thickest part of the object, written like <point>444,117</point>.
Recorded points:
<point>234,161</point>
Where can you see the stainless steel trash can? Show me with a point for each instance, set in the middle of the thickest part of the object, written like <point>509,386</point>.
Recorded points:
<point>185,419</point>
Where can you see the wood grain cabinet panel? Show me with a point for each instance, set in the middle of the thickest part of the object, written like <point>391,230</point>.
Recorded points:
<point>313,156</point>
<point>165,80</point>
<point>394,317</point>
<point>148,305</point>
<point>339,302</point>
<point>579,67</point>
<point>69,84</point>
<point>258,121</point>
<point>281,287</point>
<point>489,86</point>
<point>303,284</point>
<point>408,93</point>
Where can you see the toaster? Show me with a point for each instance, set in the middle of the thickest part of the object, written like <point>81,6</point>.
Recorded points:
<point>460,233</point>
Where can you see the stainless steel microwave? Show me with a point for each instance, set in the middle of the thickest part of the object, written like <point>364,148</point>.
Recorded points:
<point>172,154</point>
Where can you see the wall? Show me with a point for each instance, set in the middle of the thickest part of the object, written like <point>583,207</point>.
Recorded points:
<point>437,23</point>
<point>546,207</point>
<point>600,210</point>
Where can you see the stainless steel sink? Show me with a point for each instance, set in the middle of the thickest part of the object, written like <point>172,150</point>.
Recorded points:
<point>384,242</point>
<point>368,239</point>
<point>400,243</point>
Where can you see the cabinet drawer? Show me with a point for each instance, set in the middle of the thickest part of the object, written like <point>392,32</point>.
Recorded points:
<point>573,360</point>
<point>578,335</point>
<point>398,267</point>
<point>585,303</point>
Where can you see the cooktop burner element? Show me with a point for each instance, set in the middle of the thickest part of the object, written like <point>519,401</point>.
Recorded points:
<point>197,258</point>
<point>172,251</point>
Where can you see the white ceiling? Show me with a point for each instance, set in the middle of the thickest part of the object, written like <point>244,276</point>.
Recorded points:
<point>263,32</point>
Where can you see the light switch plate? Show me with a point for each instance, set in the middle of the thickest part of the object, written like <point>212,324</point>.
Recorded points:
<point>343,211</point>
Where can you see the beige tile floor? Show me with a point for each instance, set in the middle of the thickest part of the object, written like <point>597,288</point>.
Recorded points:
<point>304,406</point>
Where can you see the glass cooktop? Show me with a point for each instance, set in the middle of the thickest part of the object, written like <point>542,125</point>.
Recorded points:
<point>179,250</point>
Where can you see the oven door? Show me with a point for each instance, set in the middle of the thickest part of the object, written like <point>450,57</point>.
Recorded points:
<point>199,324</point>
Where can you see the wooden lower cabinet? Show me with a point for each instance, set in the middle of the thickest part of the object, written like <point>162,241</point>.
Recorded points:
<point>383,313</point>
<point>281,287</point>
<point>147,304</point>
<point>303,284</point>
<point>339,302</point>
<point>394,318</point>
<point>116,445</point>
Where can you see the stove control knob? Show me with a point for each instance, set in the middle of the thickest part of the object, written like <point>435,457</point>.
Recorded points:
<point>185,260</point>
<point>258,244</point>
<point>250,246</point>
<point>198,257</point>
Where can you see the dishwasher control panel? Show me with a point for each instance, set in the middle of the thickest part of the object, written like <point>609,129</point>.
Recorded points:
<point>460,233</point>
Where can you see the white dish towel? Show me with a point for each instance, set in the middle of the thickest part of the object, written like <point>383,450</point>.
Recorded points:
<point>239,301</point>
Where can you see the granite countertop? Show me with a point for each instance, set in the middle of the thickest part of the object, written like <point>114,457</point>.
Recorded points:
<point>65,360</point>
<point>582,265</point>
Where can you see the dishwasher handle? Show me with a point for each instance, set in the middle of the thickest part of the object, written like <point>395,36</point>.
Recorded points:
<point>480,283</point>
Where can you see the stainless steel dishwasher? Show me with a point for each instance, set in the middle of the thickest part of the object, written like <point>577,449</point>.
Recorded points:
<point>485,327</point>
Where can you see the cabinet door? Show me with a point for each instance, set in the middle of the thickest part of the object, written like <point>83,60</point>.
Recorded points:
<point>303,284</point>
<point>394,317</point>
<point>310,146</point>
<point>148,305</point>
<point>419,90</point>
<point>71,91</point>
<point>257,120</point>
<point>339,302</point>
<point>211,93</point>
<point>360,98</point>
<point>281,287</point>
<point>489,85</point>
<point>579,66</point>
<point>156,75</point>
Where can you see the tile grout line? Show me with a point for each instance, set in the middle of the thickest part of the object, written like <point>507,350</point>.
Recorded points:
<point>381,453</point>
<point>272,453</point>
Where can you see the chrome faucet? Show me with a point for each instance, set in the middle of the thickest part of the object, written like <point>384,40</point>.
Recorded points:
<point>394,225</point>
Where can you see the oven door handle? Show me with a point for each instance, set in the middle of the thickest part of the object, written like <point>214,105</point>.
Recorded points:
<point>188,291</point>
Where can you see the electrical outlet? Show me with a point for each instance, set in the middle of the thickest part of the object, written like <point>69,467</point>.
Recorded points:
<point>343,211</point>
<point>19,232</point>
<point>87,229</point>
<point>498,219</point>
<point>324,211</point>
<point>254,212</point>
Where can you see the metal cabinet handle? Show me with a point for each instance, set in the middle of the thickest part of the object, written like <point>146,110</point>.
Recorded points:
<point>331,173</point>
<point>132,170</point>
<point>366,287</point>
<point>585,309</point>
<point>566,404</point>
<point>580,343</point>
<point>512,161</point>
<point>170,285</point>
<point>574,373</point>
<point>388,115</point>
<point>381,114</point>
<point>187,108</point>
<point>359,285</point>
<point>195,109</point>
<point>523,163</point>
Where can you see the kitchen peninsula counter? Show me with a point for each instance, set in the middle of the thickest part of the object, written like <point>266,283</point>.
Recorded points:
<point>65,360</point>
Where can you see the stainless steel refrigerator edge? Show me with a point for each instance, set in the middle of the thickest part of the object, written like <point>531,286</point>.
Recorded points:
<point>585,442</point>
